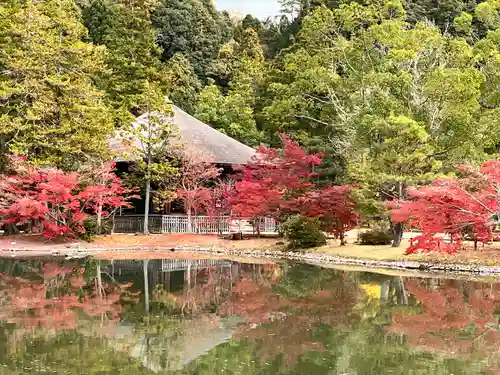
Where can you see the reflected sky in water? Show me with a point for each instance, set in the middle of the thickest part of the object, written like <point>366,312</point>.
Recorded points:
<point>223,317</point>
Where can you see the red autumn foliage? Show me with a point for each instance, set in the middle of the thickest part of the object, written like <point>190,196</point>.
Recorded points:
<point>270,181</point>
<point>453,207</point>
<point>278,182</point>
<point>57,201</point>
<point>333,206</point>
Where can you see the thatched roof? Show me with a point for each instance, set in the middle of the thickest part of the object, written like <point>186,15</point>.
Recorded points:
<point>193,133</point>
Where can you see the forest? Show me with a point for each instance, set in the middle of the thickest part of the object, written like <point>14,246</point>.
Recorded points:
<point>393,94</point>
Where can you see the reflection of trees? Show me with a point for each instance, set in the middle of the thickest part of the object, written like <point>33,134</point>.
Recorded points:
<point>205,289</point>
<point>454,317</point>
<point>288,310</point>
<point>325,329</point>
<point>57,317</point>
<point>305,321</point>
<point>393,291</point>
<point>66,352</point>
<point>54,295</point>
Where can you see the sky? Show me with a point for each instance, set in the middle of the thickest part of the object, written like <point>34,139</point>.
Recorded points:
<point>258,8</point>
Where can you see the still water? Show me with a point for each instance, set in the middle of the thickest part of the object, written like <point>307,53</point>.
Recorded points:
<point>222,317</point>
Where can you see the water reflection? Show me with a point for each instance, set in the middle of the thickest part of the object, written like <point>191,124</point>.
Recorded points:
<point>215,316</point>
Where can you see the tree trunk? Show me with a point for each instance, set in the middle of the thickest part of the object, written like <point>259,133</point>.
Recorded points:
<point>189,218</point>
<point>397,231</point>
<point>99,219</point>
<point>146,207</point>
<point>148,194</point>
<point>113,224</point>
<point>398,228</point>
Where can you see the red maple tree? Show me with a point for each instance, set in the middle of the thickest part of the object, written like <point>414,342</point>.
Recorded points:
<point>268,184</point>
<point>280,182</point>
<point>453,207</point>
<point>57,201</point>
<point>334,207</point>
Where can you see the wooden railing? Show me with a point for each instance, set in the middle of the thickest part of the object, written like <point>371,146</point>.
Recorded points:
<point>179,224</point>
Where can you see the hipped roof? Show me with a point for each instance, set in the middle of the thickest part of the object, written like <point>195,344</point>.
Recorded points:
<point>193,133</point>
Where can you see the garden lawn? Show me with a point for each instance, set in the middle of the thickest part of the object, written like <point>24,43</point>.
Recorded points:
<point>487,255</point>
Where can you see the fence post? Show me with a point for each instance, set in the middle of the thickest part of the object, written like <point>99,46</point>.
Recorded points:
<point>163,224</point>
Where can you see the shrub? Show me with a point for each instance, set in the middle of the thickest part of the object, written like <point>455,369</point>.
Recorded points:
<point>303,233</point>
<point>375,237</point>
<point>90,226</point>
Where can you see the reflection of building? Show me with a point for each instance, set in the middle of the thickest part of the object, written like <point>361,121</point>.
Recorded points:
<point>205,281</point>
<point>173,274</point>
<point>172,350</point>
<point>169,265</point>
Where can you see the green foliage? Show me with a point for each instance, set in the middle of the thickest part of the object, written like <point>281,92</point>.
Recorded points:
<point>234,112</point>
<point>183,85</point>
<point>442,13</point>
<point>155,140</point>
<point>191,27</point>
<point>92,230</point>
<point>375,237</point>
<point>394,93</point>
<point>303,233</point>
<point>397,103</point>
<point>50,109</point>
<point>132,54</point>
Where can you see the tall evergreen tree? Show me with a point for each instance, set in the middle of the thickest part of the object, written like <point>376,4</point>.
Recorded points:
<point>124,27</point>
<point>233,112</point>
<point>192,27</point>
<point>50,110</point>
<point>183,85</point>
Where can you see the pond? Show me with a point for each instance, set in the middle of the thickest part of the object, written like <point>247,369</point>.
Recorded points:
<point>179,316</point>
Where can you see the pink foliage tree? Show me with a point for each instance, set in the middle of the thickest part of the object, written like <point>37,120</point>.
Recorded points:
<point>57,201</point>
<point>195,173</point>
<point>452,207</point>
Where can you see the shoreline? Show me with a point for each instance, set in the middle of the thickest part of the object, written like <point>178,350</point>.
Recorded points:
<point>314,258</point>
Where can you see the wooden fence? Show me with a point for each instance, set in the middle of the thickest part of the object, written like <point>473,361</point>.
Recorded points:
<point>179,224</point>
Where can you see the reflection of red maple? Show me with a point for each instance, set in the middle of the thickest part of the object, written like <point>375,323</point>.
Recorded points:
<point>56,299</point>
<point>290,334</point>
<point>450,322</point>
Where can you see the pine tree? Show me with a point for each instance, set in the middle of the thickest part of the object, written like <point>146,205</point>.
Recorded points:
<point>50,110</point>
<point>192,27</point>
<point>234,112</point>
<point>124,27</point>
<point>183,85</point>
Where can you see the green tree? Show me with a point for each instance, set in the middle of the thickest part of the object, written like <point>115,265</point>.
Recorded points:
<point>192,27</point>
<point>152,138</point>
<point>50,109</point>
<point>124,27</point>
<point>400,102</point>
<point>442,13</point>
<point>183,85</point>
<point>234,112</point>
